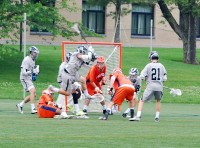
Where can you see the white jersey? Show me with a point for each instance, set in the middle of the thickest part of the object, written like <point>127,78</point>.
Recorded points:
<point>28,64</point>
<point>154,74</point>
<point>74,64</point>
<point>61,69</point>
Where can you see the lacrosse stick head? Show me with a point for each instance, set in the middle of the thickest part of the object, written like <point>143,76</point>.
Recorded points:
<point>97,98</point>
<point>76,28</point>
<point>175,92</point>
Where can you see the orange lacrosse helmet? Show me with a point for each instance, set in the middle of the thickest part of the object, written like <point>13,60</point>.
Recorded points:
<point>117,70</point>
<point>101,59</point>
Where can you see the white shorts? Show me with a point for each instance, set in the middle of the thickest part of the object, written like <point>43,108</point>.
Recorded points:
<point>27,84</point>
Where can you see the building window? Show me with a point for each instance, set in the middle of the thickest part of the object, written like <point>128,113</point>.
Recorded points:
<point>141,20</point>
<point>93,17</point>
<point>35,29</point>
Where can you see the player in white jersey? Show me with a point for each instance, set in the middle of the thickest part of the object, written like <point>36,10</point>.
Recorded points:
<point>70,74</point>
<point>27,75</point>
<point>137,83</point>
<point>155,74</point>
<point>76,90</point>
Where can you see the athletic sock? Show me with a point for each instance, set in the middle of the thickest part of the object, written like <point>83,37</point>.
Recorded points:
<point>132,112</point>
<point>32,106</point>
<point>103,107</point>
<point>21,103</point>
<point>157,114</point>
<point>76,106</point>
<point>139,113</point>
<point>127,111</point>
<point>85,107</point>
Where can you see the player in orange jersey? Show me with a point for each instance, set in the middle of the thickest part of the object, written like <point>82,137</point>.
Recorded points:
<point>123,90</point>
<point>46,106</point>
<point>94,80</point>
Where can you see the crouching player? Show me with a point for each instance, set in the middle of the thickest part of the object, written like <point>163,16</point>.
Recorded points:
<point>136,81</point>
<point>46,106</point>
<point>123,90</point>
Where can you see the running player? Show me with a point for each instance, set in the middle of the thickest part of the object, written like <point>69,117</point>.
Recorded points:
<point>123,90</point>
<point>94,80</point>
<point>27,76</point>
<point>155,74</point>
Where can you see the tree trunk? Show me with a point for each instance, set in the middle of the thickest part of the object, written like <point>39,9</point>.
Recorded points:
<point>189,44</point>
<point>117,22</point>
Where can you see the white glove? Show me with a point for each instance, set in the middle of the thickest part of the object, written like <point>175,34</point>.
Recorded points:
<point>90,49</point>
<point>36,70</point>
<point>97,89</point>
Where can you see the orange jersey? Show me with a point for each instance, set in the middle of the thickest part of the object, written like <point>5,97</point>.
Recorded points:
<point>123,89</point>
<point>44,110</point>
<point>44,99</point>
<point>120,80</point>
<point>94,75</point>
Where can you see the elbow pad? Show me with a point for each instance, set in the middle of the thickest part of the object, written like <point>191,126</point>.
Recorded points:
<point>26,72</point>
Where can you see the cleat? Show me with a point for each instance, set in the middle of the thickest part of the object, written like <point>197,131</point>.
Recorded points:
<point>105,117</point>
<point>80,113</point>
<point>100,118</point>
<point>20,109</point>
<point>34,111</point>
<point>82,117</point>
<point>125,115</point>
<point>157,119</point>
<point>135,118</point>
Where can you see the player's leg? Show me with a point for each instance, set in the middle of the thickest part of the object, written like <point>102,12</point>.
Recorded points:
<point>103,103</point>
<point>84,86</point>
<point>158,95</point>
<point>32,100</point>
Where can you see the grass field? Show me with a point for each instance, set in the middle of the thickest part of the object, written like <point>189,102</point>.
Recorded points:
<point>178,128</point>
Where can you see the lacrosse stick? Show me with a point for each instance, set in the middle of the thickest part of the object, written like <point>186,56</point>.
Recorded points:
<point>79,31</point>
<point>97,98</point>
<point>174,92</point>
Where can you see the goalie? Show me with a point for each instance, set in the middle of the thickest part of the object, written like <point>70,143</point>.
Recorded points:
<point>94,80</point>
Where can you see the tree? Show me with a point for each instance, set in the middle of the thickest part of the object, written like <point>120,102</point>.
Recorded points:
<point>39,15</point>
<point>119,11</point>
<point>186,28</point>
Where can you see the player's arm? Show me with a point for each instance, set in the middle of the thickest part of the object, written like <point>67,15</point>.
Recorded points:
<point>110,87</point>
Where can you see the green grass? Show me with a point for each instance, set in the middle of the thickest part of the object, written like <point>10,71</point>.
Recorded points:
<point>180,75</point>
<point>178,127</point>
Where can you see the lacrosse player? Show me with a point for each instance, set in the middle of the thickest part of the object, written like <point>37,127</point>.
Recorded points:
<point>70,73</point>
<point>123,90</point>
<point>154,74</point>
<point>28,74</point>
<point>137,82</point>
<point>46,106</point>
<point>94,80</point>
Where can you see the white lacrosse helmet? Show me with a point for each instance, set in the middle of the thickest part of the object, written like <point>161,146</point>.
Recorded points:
<point>153,55</point>
<point>34,51</point>
<point>82,49</point>
<point>133,72</point>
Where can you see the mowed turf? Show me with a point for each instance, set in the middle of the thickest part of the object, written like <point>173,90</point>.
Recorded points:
<point>178,127</point>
